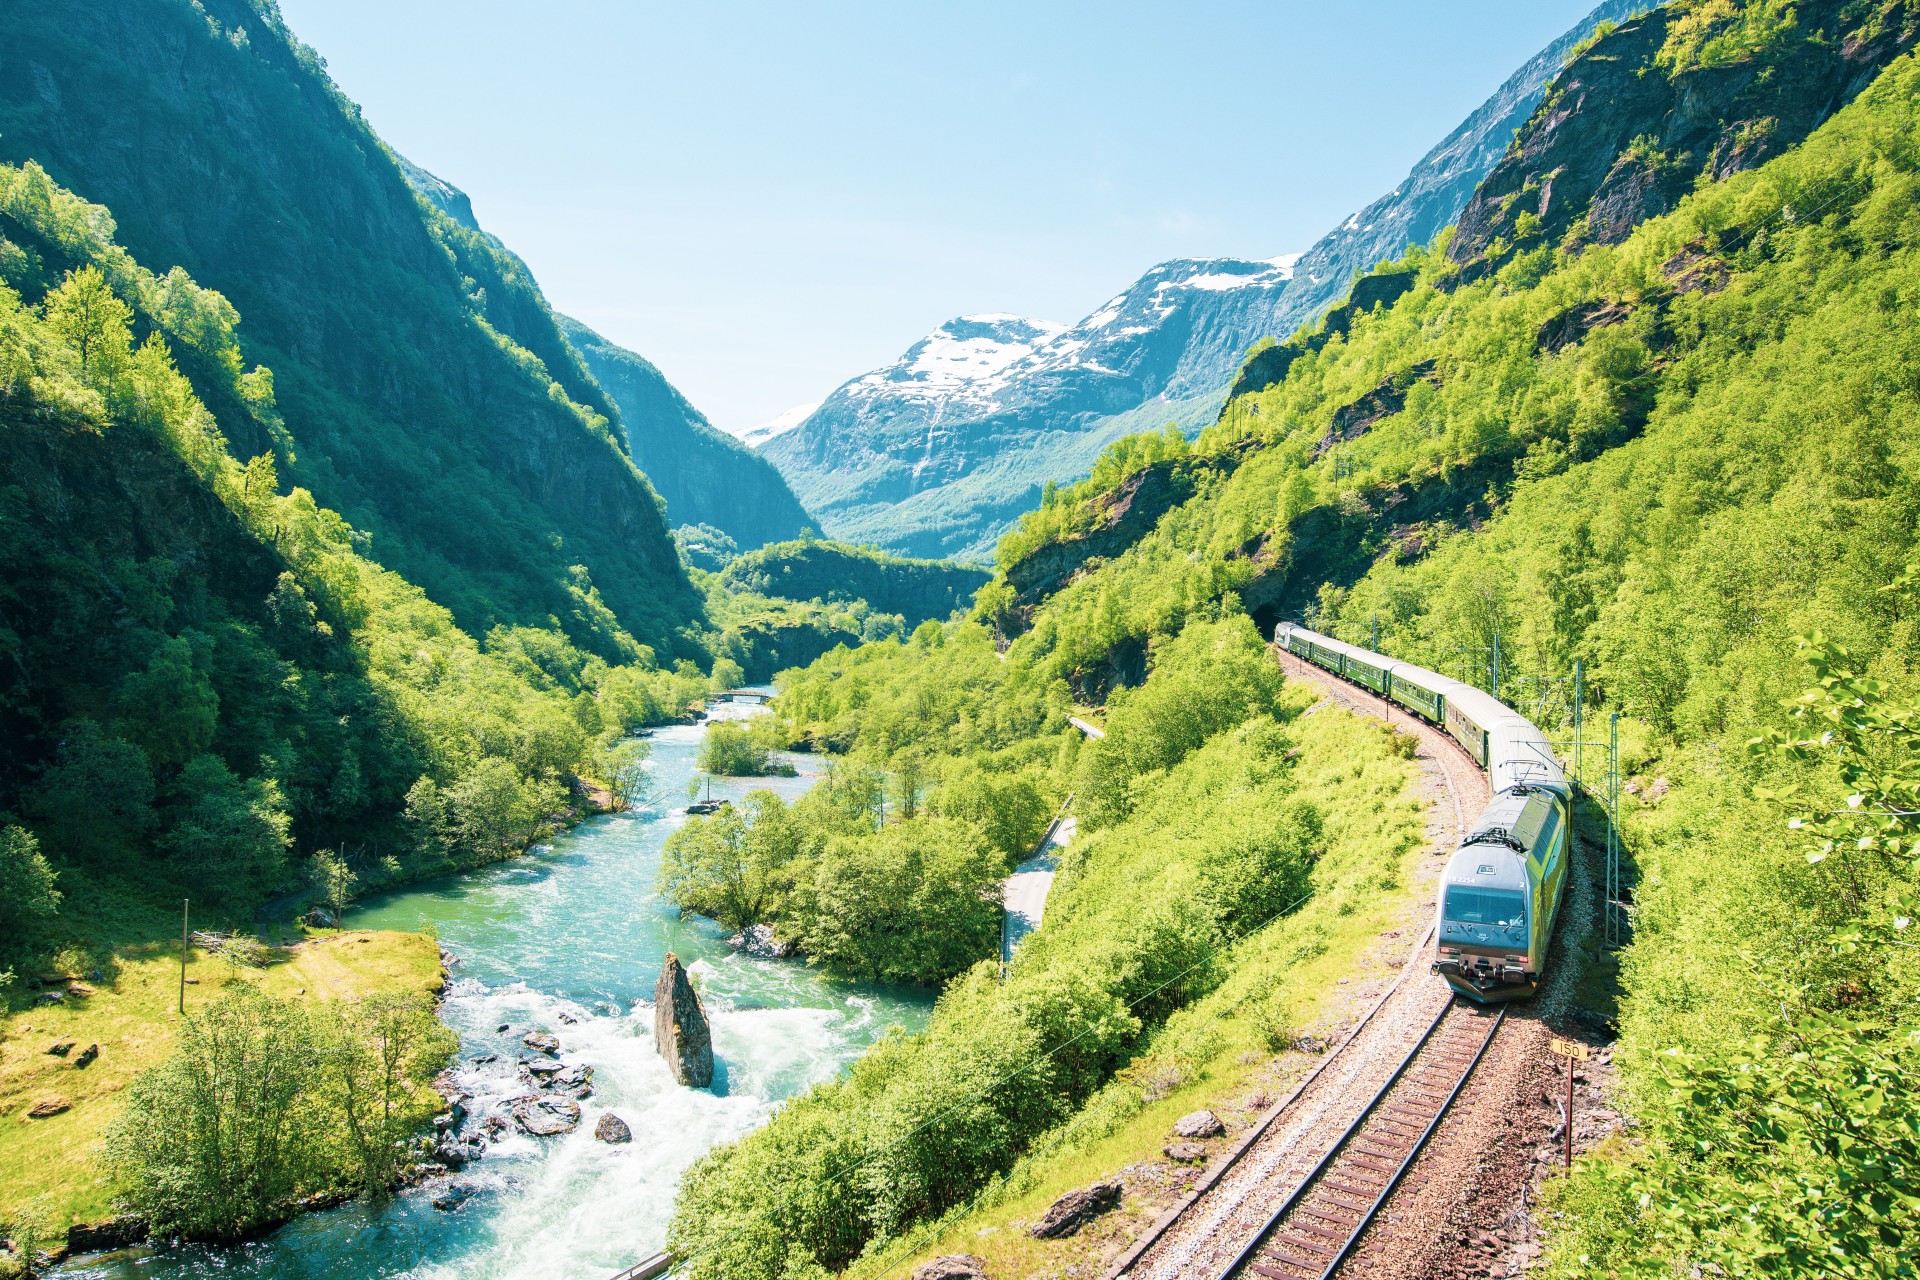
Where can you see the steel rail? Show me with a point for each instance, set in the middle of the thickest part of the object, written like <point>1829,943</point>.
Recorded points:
<point>1338,1147</point>
<point>1165,1222</point>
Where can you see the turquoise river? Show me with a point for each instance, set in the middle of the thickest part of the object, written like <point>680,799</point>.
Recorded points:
<point>573,931</point>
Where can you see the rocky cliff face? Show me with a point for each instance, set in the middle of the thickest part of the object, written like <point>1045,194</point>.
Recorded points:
<point>419,373</point>
<point>1629,129</point>
<point>704,474</point>
<point>680,1028</point>
<point>938,453</point>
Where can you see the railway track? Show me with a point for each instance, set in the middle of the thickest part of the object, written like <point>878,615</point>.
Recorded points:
<point>1314,1229</point>
<point>1296,1194</point>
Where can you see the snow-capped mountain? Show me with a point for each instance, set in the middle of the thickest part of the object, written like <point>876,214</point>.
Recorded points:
<point>778,425</point>
<point>981,385</point>
<point>936,454</point>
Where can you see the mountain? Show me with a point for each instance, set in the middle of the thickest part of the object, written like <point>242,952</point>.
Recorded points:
<point>778,425</point>
<point>706,476</point>
<point>1614,146</point>
<point>428,392</point>
<point>1679,460</point>
<point>936,454</point>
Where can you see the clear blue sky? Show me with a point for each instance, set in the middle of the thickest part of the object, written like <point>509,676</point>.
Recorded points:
<point>767,199</point>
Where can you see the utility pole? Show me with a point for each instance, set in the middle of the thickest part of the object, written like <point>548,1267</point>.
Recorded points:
<point>1375,643</point>
<point>1613,929</point>
<point>184,903</point>
<point>1495,690</point>
<point>1579,688</point>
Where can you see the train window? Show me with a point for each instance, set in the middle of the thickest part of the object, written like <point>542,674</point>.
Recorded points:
<point>1484,914</point>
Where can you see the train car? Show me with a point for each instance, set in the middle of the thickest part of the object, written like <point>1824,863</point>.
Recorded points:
<point>1501,891</point>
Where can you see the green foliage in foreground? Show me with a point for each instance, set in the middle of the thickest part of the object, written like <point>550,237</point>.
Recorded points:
<point>1215,844</point>
<point>267,1101</point>
<point>205,683</point>
<point>1796,1150</point>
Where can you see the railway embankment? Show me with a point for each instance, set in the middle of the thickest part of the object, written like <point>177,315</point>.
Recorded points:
<point>1297,989</point>
<point>1392,1132</point>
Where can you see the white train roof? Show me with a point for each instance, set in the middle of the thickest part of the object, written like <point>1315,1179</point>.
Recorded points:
<point>1518,753</point>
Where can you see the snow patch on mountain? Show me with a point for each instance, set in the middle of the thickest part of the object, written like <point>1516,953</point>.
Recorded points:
<point>778,425</point>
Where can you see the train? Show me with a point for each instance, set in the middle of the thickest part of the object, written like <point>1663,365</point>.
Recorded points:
<point>1501,890</point>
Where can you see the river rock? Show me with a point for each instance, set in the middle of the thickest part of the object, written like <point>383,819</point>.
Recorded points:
<point>541,1042</point>
<point>112,1233</point>
<point>1198,1124</point>
<point>1185,1152</point>
<point>547,1115</point>
<point>952,1266</point>
<point>450,1153</point>
<point>576,1080</point>
<point>453,1197</point>
<point>611,1128</point>
<point>86,1056</point>
<point>680,1026</point>
<point>48,1107</point>
<point>758,940</point>
<point>1074,1210</point>
<point>321,918</point>
<point>60,1048</point>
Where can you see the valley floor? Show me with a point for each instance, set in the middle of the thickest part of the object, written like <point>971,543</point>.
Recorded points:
<point>128,1008</point>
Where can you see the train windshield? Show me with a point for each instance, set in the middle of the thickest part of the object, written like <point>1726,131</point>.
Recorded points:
<point>1485,915</point>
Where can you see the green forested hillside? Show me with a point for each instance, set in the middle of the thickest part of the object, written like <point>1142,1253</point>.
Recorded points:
<point>1211,816</point>
<point>207,689</point>
<point>706,476</point>
<point>823,570</point>
<point>1667,456</point>
<point>427,392</point>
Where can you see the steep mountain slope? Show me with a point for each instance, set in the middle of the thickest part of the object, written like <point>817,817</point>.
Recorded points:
<point>705,475</point>
<point>1678,457</point>
<point>206,688</point>
<point>1613,145</point>
<point>428,391</point>
<point>937,453</point>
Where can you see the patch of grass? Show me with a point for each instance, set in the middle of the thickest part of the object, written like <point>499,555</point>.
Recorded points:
<point>47,1167</point>
<point>1375,878</point>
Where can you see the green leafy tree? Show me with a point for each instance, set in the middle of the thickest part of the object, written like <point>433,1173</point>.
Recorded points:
<point>27,892</point>
<point>377,1058</point>
<point>229,834</point>
<point>170,707</point>
<point>733,866</point>
<point>328,872</point>
<point>732,749</point>
<point>85,312</point>
<point>219,1139</point>
<point>493,809</point>
<point>914,902</point>
<point>623,767</point>
<point>95,801</point>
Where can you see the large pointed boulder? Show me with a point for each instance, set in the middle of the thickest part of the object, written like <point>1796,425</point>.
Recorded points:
<point>680,1026</point>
